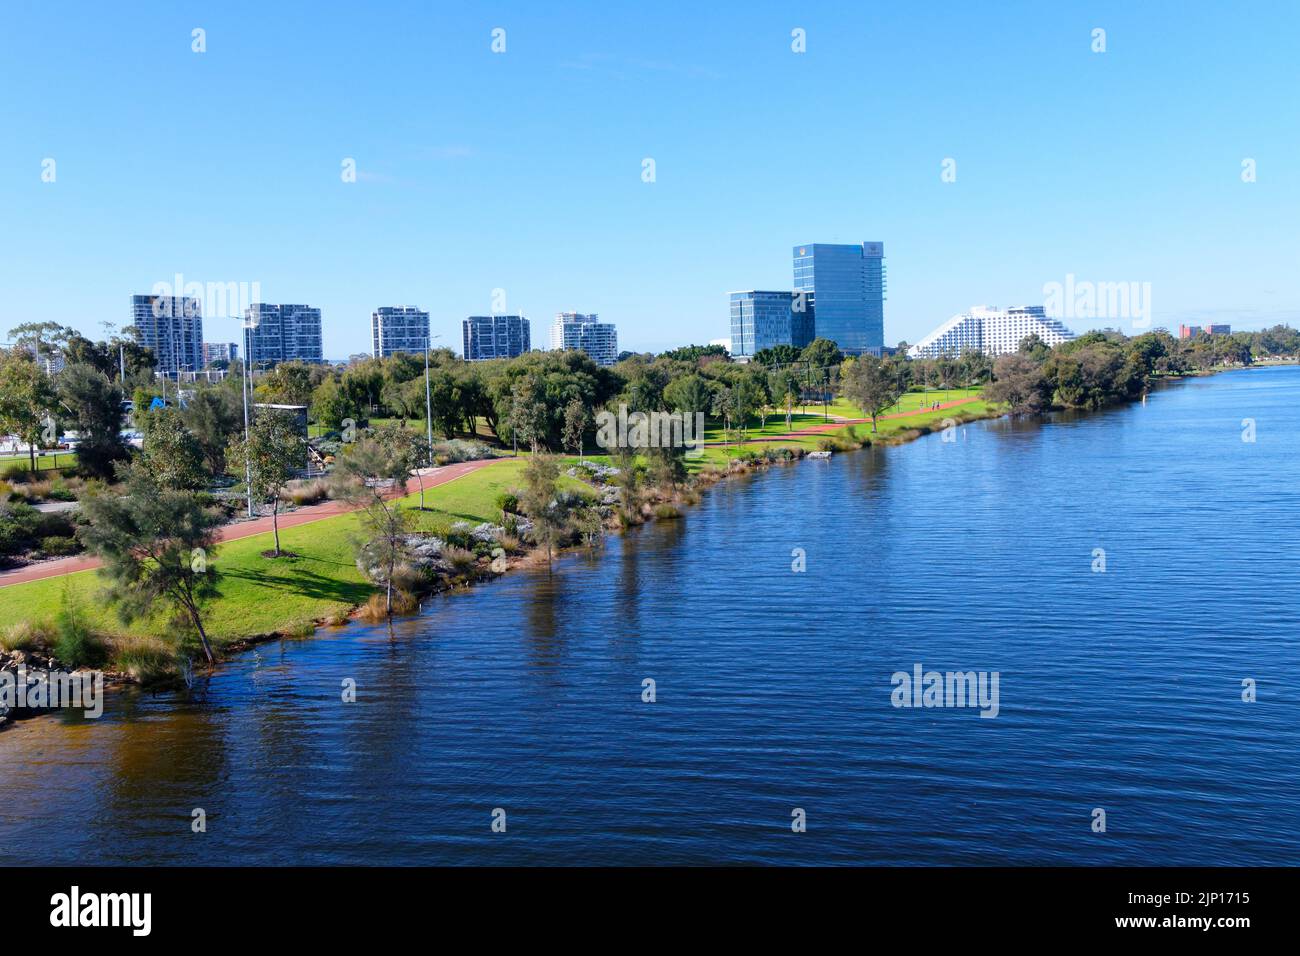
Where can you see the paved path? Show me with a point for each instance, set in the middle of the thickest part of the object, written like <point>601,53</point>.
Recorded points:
<point>246,529</point>
<point>842,422</point>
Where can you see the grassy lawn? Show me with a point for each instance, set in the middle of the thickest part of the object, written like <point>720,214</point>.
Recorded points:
<point>885,430</point>
<point>262,595</point>
<point>45,461</point>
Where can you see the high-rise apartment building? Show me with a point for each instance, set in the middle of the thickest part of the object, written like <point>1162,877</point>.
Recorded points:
<point>398,328</point>
<point>761,320</point>
<point>495,336</point>
<point>992,331</point>
<point>282,333</point>
<point>171,327</point>
<point>574,330</point>
<point>227,352</point>
<point>849,284</point>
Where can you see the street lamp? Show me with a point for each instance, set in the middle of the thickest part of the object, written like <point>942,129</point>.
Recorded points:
<point>428,395</point>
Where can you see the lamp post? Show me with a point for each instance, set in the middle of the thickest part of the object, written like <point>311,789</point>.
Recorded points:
<point>428,394</point>
<point>244,387</point>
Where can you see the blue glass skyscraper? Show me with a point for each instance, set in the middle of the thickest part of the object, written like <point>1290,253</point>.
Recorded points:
<point>762,320</point>
<point>849,284</point>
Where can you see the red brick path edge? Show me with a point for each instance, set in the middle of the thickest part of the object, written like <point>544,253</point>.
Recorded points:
<point>246,529</point>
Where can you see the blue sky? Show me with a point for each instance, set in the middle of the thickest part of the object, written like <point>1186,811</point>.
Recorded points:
<point>522,170</point>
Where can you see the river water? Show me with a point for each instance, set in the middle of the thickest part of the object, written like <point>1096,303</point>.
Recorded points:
<point>1118,690</point>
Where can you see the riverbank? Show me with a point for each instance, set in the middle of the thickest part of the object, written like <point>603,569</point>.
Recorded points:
<point>317,584</point>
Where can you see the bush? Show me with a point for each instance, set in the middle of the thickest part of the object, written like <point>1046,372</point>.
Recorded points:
<point>456,450</point>
<point>148,660</point>
<point>26,636</point>
<point>74,642</point>
<point>508,503</point>
<point>52,524</point>
<point>374,609</point>
<point>59,491</point>
<point>19,524</point>
<point>307,492</point>
<point>59,547</point>
<point>461,559</point>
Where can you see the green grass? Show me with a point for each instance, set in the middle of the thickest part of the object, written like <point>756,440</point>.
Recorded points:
<point>45,461</point>
<point>886,430</point>
<point>263,595</point>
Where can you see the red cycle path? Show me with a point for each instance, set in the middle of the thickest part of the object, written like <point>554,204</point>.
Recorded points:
<point>244,529</point>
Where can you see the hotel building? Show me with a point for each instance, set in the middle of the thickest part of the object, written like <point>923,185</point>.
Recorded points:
<point>992,331</point>
<point>849,284</point>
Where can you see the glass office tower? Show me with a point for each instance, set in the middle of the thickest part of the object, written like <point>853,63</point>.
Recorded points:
<point>849,284</point>
<point>761,320</point>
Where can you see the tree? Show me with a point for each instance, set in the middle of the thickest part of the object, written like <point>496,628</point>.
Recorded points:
<point>777,355</point>
<point>26,396</point>
<point>95,405</point>
<point>331,403</point>
<point>575,424</point>
<point>821,353</point>
<point>1018,381</point>
<point>170,454</point>
<point>540,502</point>
<point>689,394</point>
<point>269,457</point>
<point>212,417</point>
<point>527,414</point>
<point>370,472</point>
<point>871,384</point>
<point>157,544</point>
<point>41,339</point>
<point>289,383</point>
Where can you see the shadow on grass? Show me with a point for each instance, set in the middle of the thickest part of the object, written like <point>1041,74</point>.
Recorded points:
<point>300,581</point>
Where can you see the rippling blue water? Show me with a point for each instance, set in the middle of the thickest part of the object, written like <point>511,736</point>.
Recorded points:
<point>1119,690</point>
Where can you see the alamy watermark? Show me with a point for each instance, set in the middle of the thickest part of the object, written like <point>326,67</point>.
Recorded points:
<point>923,688</point>
<point>22,689</point>
<point>211,298</point>
<point>651,430</point>
<point>1083,299</point>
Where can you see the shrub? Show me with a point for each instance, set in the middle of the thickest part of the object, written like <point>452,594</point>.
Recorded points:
<point>74,642</point>
<point>53,524</point>
<point>20,526</point>
<point>461,559</point>
<point>26,636</point>
<point>666,510</point>
<point>38,489</point>
<point>411,579</point>
<point>307,492</point>
<point>59,491</point>
<point>59,547</point>
<point>508,503</point>
<point>374,610</point>
<point>456,450</point>
<point>148,660</point>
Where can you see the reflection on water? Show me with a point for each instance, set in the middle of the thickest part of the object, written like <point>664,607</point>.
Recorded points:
<point>1118,690</point>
